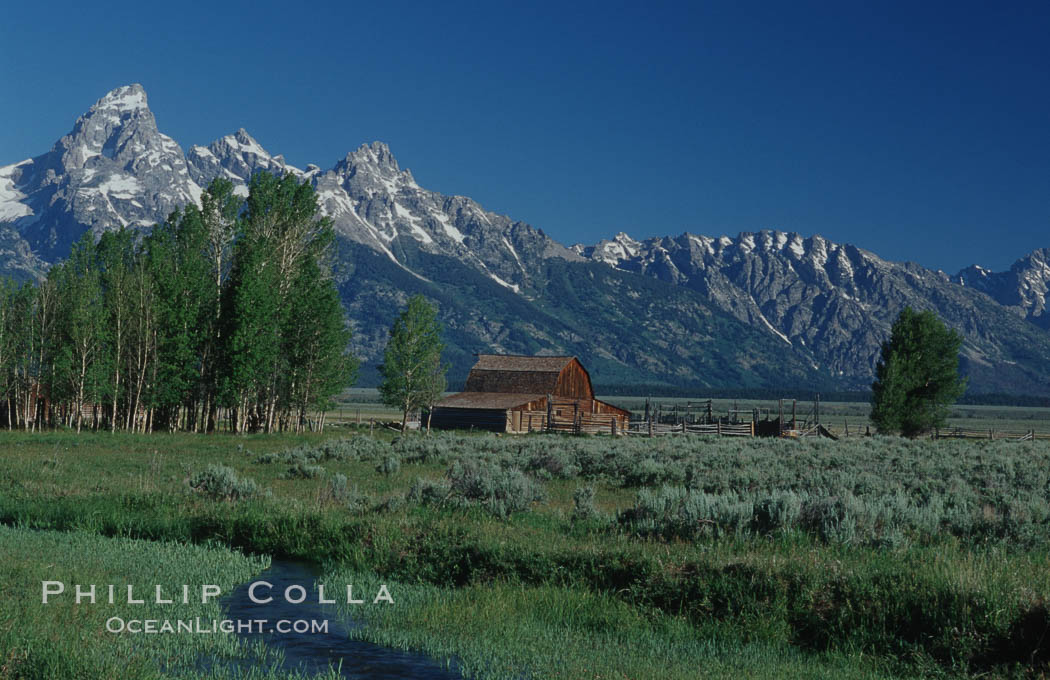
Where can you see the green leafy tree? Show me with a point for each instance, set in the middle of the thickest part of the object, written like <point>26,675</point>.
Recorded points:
<point>181,271</point>
<point>116,254</point>
<point>281,233</point>
<point>230,305</point>
<point>220,209</point>
<point>413,375</point>
<point>81,324</point>
<point>316,340</point>
<point>11,341</point>
<point>917,377</point>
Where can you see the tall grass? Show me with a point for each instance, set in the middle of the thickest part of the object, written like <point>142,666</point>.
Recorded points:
<point>62,639</point>
<point>505,631</point>
<point>882,554</point>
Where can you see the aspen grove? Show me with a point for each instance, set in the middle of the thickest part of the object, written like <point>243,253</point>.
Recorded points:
<point>225,315</point>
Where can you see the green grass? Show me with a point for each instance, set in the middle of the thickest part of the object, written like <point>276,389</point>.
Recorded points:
<point>960,590</point>
<point>507,631</point>
<point>63,639</point>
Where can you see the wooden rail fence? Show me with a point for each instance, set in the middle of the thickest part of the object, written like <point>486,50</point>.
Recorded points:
<point>964,433</point>
<point>575,423</point>
<point>652,429</point>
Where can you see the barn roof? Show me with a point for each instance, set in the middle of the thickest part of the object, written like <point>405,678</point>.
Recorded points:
<point>509,373</point>
<point>519,362</point>
<point>483,400</point>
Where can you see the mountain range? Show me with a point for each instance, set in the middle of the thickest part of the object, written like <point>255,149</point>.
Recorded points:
<point>769,309</point>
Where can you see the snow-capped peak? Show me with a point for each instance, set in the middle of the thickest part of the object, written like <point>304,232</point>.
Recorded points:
<point>127,98</point>
<point>244,143</point>
<point>628,243</point>
<point>376,155</point>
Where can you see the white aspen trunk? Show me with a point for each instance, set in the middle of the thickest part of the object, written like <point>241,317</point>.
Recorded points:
<point>116,378</point>
<point>80,390</point>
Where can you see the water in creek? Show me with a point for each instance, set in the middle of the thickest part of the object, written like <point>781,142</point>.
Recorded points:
<point>315,652</point>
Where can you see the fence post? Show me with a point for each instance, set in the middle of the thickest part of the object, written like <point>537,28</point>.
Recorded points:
<point>371,426</point>
<point>752,428</point>
<point>612,425</point>
<point>719,427</point>
<point>990,433</point>
<point>650,426</point>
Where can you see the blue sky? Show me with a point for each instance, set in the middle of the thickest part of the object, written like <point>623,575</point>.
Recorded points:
<point>917,130</point>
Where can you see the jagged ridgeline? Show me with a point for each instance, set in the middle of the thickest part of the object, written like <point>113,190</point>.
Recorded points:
<point>768,309</point>
<point>225,315</point>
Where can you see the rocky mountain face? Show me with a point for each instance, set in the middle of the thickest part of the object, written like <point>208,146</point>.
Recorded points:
<point>115,168</point>
<point>768,309</point>
<point>1023,288</point>
<point>838,301</point>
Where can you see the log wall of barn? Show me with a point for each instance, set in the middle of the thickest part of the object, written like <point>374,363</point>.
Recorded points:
<point>493,420</point>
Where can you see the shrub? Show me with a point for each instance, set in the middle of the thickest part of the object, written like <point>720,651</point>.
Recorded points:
<point>392,504</point>
<point>779,510</point>
<point>390,465</point>
<point>677,512</point>
<point>357,501</point>
<point>555,464</point>
<point>222,483</point>
<point>429,491</point>
<point>303,471</point>
<point>501,491</point>
<point>649,472</point>
<point>336,490</point>
<point>833,518</point>
<point>584,507</point>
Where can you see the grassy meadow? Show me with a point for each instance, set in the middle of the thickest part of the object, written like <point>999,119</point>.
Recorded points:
<point>547,556</point>
<point>62,639</point>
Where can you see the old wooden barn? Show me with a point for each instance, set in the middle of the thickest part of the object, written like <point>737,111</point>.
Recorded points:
<point>510,393</point>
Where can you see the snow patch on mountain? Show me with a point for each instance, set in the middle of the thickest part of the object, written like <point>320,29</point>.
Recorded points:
<point>11,199</point>
<point>120,186</point>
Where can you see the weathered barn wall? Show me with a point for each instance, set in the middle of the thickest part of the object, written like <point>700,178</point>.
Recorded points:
<point>574,382</point>
<point>494,420</point>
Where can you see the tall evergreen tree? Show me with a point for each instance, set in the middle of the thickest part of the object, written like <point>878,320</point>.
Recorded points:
<point>917,377</point>
<point>413,375</point>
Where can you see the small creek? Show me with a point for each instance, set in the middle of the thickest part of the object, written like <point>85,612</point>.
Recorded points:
<point>316,652</point>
